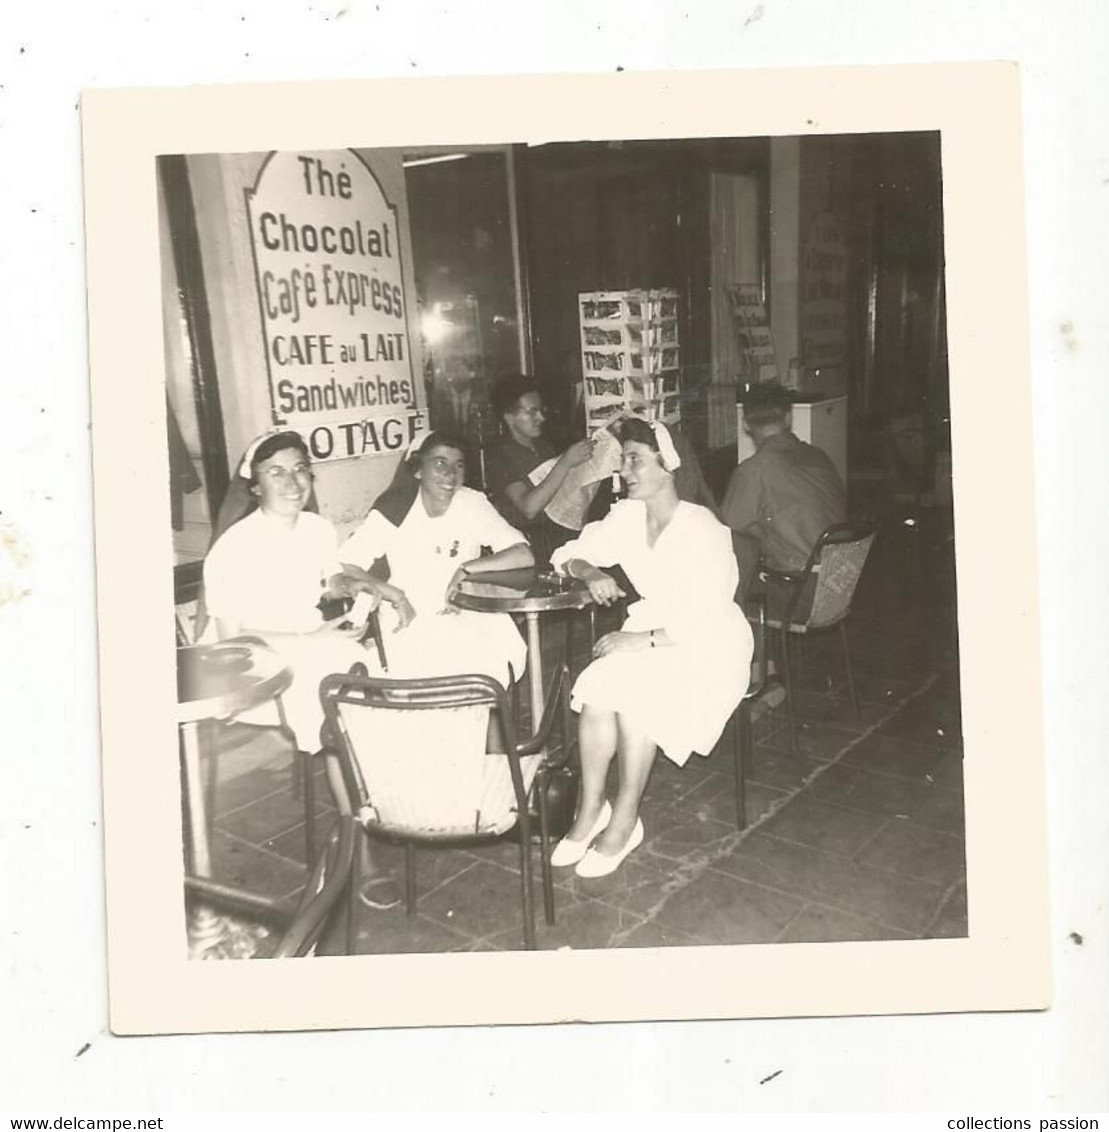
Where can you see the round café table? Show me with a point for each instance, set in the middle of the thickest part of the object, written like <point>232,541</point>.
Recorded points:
<point>528,592</point>
<point>214,682</point>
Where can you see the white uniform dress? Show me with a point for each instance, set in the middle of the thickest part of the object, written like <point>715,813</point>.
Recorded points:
<point>423,554</point>
<point>683,694</point>
<point>267,579</point>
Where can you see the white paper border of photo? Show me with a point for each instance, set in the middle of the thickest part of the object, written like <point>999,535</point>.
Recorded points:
<point>1002,965</point>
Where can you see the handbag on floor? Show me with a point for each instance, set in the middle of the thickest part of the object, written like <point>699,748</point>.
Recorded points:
<point>561,785</point>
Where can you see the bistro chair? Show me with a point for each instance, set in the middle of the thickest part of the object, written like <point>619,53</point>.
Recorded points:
<point>818,597</point>
<point>740,724</point>
<point>416,769</point>
<point>326,899</point>
<point>322,916</point>
<point>307,785</point>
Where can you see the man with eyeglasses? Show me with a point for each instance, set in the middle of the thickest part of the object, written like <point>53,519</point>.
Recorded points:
<point>517,461</point>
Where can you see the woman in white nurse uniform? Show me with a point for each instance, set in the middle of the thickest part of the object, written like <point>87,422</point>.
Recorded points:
<point>672,675</point>
<point>267,572</point>
<point>431,530</point>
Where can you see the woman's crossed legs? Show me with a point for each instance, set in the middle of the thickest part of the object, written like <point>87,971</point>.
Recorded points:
<point>603,735</point>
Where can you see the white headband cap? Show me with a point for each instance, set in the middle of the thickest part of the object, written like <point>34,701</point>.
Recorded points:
<point>255,444</point>
<point>416,445</point>
<point>671,461</point>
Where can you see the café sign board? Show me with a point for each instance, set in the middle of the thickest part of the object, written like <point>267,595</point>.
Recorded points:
<point>334,311</point>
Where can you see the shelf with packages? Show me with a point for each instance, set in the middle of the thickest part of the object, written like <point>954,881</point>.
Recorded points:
<point>630,356</point>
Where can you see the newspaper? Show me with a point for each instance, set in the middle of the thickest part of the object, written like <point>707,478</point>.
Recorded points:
<point>570,504</point>
<point>541,471</point>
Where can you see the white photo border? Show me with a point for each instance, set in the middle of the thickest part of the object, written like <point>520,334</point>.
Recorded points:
<point>1002,965</point>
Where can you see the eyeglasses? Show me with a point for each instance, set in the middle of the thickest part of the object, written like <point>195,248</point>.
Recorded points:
<point>536,412</point>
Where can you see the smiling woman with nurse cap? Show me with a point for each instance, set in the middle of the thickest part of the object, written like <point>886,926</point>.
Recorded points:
<point>430,529</point>
<point>671,676</point>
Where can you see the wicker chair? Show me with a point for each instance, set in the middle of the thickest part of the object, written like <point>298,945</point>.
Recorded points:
<point>416,770</point>
<point>818,597</point>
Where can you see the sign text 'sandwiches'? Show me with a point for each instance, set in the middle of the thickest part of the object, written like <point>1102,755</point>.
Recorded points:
<point>333,305</point>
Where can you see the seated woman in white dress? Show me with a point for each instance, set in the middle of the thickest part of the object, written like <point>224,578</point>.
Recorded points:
<point>267,572</point>
<point>265,577</point>
<point>678,667</point>
<point>431,530</point>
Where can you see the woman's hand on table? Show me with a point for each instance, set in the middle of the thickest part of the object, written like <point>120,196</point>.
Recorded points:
<point>457,578</point>
<point>621,642</point>
<point>602,587</point>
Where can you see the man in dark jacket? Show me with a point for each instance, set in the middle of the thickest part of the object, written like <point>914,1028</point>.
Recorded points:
<point>780,500</point>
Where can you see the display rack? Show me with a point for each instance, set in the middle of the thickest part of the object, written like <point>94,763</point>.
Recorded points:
<point>753,332</point>
<point>630,356</point>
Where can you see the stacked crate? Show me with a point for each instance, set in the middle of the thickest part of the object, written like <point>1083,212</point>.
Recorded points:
<point>630,357</point>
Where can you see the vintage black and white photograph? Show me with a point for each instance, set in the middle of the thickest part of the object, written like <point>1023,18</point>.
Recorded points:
<point>576,549</point>
<point>563,545</point>
<point>629,788</point>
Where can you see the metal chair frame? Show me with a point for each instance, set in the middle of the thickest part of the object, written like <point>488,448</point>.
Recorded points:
<point>740,724</point>
<point>307,759</point>
<point>322,905</point>
<point>438,693</point>
<point>837,534</point>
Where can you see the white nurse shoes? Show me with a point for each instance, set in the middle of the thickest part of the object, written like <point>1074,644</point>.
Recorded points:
<point>568,852</point>
<point>595,864</point>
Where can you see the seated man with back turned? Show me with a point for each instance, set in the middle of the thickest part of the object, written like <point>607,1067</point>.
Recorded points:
<point>780,500</point>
